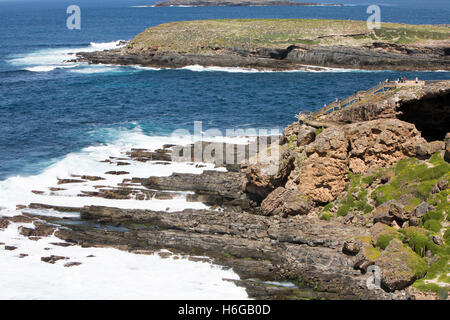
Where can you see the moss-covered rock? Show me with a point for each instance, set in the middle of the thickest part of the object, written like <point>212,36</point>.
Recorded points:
<point>400,266</point>
<point>367,254</point>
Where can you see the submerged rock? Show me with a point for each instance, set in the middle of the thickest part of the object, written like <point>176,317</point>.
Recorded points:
<point>53,259</point>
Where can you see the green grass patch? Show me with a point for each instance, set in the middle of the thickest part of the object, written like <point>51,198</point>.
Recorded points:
<point>206,36</point>
<point>433,225</point>
<point>416,239</point>
<point>325,216</point>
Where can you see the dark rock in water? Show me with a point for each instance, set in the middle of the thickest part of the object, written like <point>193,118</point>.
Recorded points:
<point>66,181</point>
<point>52,259</point>
<point>4,223</point>
<point>90,178</point>
<point>21,219</point>
<point>72,264</point>
<point>62,244</point>
<point>144,155</point>
<point>225,187</point>
<point>165,254</point>
<point>56,208</point>
<point>117,173</point>
<point>56,189</point>
<point>120,193</point>
<point>40,230</point>
<point>164,196</point>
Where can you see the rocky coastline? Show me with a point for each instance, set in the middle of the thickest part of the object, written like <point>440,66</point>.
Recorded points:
<point>353,46</point>
<point>360,194</point>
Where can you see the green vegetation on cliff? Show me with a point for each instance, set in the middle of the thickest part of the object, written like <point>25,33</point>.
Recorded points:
<point>208,36</point>
<point>405,186</point>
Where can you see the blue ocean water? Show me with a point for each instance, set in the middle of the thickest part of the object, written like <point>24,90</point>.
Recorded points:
<point>49,108</point>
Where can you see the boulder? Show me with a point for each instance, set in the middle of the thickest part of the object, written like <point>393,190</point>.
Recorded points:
<point>422,209</point>
<point>390,212</point>
<point>352,247</point>
<point>366,257</point>
<point>285,202</point>
<point>306,135</point>
<point>264,175</point>
<point>425,149</point>
<point>291,130</point>
<point>382,214</point>
<point>400,266</point>
<point>379,229</point>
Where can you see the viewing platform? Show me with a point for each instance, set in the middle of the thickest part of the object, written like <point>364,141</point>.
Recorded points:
<point>316,119</point>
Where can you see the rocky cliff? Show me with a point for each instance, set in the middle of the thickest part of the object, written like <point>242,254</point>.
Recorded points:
<point>284,44</point>
<point>381,175</point>
<point>343,202</point>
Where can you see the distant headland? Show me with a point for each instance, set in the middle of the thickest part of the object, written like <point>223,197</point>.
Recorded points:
<point>283,44</point>
<point>235,3</point>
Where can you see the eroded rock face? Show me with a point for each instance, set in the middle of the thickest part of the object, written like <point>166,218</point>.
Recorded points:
<point>286,202</point>
<point>356,147</point>
<point>323,173</point>
<point>265,176</point>
<point>400,266</point>
<point>381,143</point>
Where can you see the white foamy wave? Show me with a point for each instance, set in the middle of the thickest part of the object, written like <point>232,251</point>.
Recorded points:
<point>146,68</point>
<point>304,68</point>
<point>110,274</point>
<point>105,273</point>
<point>48,68</point>
<point>47,60</point>
<point>89,161</point>
<point>97,69</point>
<point>95,46</point>
<point>199,68</point>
